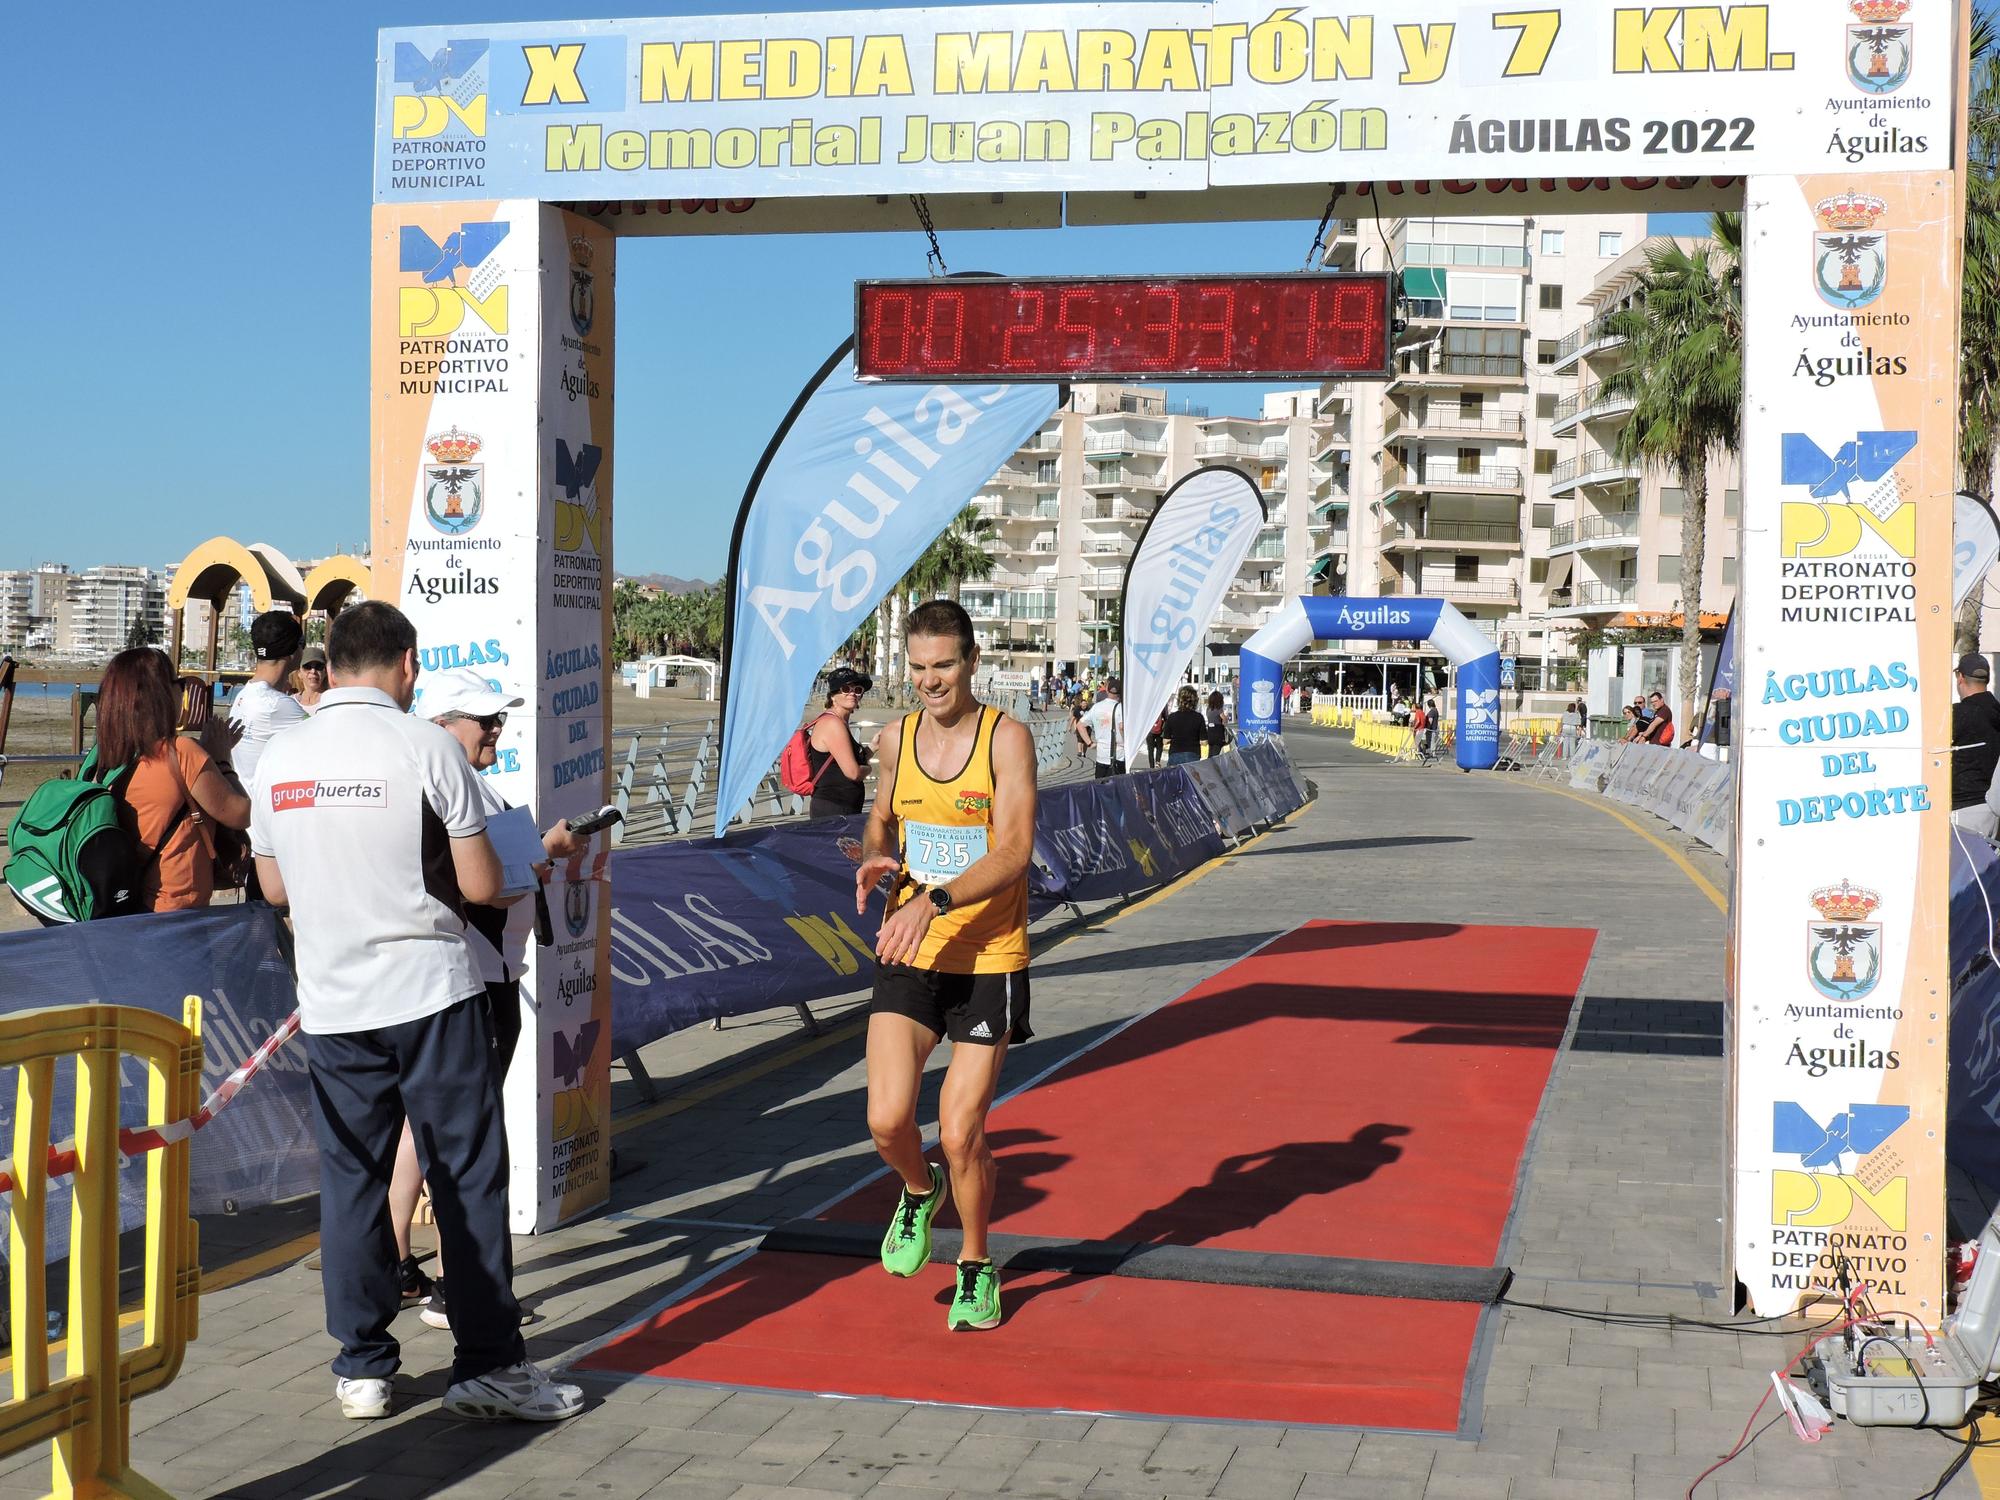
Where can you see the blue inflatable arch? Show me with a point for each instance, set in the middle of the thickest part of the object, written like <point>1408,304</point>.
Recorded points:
<point>1318,617</point>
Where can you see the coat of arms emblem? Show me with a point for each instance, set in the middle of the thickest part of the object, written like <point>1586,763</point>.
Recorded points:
<point>454,491</point>
<point>1878,50</point>
<point>1850,259</point>
<point>582,287</point>
<point>1843,949</point>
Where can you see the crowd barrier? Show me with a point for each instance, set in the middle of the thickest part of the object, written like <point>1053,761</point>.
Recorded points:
<point>1695,794</point>
<point>1972,1112</point>
<point>700,929</point>
<point>86,1415</point>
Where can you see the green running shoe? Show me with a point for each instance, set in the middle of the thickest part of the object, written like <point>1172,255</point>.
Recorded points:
<point>906,1248</point>
<point>977,1304</point>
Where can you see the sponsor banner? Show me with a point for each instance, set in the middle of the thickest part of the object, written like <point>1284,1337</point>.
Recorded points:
<point>236,960</point>
<point>561,1148</point>
<point>1179,811</point>
<point>1154,97</point>
<point>1231,815</point>
<point>1096,838</point>
<point>1184,563</point>
<point>858,481</point>
<point>1272,773</point>
<point>1845,622</point>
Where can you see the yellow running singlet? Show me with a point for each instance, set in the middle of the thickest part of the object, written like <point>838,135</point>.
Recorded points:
<point>944,827</point>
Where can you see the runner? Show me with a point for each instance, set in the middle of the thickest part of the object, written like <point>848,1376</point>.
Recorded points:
<point>954,821</point>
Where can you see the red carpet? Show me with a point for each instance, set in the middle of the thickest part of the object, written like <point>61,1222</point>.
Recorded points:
<point>1351,1089</point>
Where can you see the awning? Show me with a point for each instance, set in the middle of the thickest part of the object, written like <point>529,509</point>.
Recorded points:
<point>1633,619</point>
<point>1320,510</point>
<point>1321,568</point>
<point>1424,281</point>
<point>1559,570</point>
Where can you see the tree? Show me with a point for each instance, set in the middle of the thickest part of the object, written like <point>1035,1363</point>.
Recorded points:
<point>1684,373</point>
<point>145,631</point>
<point>1979,315</point>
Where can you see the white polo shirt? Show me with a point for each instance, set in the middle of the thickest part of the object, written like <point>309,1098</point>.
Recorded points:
<point>263,711</point>
<point>359,805</point>
<point>1106,719</point>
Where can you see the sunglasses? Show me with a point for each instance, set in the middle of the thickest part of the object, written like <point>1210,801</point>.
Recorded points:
<point>314,666</point>
<point>488,722</point>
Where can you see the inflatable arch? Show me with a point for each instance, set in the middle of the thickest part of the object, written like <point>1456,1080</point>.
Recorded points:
<point>1319,617</point>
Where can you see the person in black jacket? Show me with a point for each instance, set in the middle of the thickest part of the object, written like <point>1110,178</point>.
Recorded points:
<point>1975,745</point>
<point>837,762</point>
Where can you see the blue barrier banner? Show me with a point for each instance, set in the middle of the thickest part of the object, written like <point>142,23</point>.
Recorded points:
<point>1186,826</point>
<point>1972,1117</point>
<point>260,1149</point>
<point>1273,778</point>
<point>1096,837</point>
<point>859,480</point>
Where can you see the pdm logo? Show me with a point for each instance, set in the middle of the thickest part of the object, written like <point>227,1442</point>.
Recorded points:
<point>440,92</point>
<point>578,519</point>
<point>1835,521</point>
<point>439,304</point>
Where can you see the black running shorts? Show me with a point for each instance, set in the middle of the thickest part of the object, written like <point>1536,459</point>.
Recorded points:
<point>976,1008</point>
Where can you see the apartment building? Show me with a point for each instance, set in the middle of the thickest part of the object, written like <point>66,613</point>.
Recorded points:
<point>88,614</point>
<point>1068,508</point>
<point>29,601</point>
<point>1480,472</point>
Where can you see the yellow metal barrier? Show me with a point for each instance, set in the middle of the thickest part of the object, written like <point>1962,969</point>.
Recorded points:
<point>86,1415</point>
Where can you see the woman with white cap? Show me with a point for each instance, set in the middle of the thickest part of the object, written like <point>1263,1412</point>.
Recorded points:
<point>473,711</point>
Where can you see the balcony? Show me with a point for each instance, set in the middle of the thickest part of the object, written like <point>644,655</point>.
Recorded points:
<point>1122,478</point>
<point>1225,447</point>
<point>1454,534</point>
<point>1330,490</point>
<point>1619,528</point>
<point>1116,510</point>
<point>1444,371</point>
<point>1106,547</point>
<point>1333,402</point>
<point>1046,441</point>
<point>1014,479</point>
<point>1451,421</point>
<point>1335,541</point>
<point>1491,591</point>
<point>1592,596</point>
<point>1398,480</point>
<point>1099,579</point>
<point>1593,467</point>
<point>1595,337</point>
<point>1587,405</point>
<point>1121,442</point>
<point>1325,509</point>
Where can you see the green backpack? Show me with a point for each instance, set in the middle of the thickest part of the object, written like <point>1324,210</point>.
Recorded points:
<point>70,858</point>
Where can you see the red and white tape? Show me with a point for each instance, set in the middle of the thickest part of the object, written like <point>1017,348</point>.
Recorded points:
<point>138,1141</point>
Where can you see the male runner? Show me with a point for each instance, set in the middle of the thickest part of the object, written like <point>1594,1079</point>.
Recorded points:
<point>954,821</point>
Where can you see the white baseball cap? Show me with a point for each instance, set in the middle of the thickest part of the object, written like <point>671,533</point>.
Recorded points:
<point>462,690</point>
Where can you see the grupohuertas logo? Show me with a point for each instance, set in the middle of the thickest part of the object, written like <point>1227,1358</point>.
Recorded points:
<point>1850,256</point>
<point>1878,49</point>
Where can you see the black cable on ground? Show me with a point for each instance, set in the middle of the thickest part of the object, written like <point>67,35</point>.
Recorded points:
<point>1672,1321</point>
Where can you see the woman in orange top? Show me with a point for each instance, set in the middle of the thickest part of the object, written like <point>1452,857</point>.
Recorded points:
<point>178,782</point>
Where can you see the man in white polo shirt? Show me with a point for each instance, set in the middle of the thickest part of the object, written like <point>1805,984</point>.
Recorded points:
<point>369,824</point>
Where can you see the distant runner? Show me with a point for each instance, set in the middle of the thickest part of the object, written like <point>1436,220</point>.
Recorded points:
<point>954,821</point>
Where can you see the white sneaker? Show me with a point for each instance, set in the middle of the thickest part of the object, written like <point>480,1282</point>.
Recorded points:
<point>362,1400</point>
<point>522,1392</point>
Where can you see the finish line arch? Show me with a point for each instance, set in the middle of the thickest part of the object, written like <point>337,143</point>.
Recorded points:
<point>1306,618</point>
<point>510,160</point>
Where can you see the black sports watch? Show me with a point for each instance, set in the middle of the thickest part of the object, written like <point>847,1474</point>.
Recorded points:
<point>940,899</point>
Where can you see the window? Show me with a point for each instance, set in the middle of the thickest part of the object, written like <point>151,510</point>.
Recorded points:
<point>1672,502</point>
<point>1464,569</point>
<point>1729,571</point>
<point>1610,242</point>
<point>1552,242</point>
<point>1468,460</point>
<point>1732,504</point>
<point>1552,297</point>
<point>1628,570</point>
<point>1545,460</point>
<point>1545,351</point>
<point>1543,516</point>
<point>1045,471</point>
<point>1670,569</point>
<point>1545,404</point>
<point>1471,406</point>
<point>1538,570</point>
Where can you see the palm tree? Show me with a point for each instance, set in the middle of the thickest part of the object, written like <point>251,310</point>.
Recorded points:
<point>1684,373</point>
<point>1979,316</point>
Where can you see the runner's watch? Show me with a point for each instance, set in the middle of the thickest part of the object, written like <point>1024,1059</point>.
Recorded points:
<point>940,899</point>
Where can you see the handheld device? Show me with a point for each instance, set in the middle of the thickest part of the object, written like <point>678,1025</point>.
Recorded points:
<point>583,827</point>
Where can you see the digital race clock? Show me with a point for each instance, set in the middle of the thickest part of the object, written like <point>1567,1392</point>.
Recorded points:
<point>1303,326</point>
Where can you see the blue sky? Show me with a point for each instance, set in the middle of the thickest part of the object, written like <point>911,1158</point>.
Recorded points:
<point>188,265</point>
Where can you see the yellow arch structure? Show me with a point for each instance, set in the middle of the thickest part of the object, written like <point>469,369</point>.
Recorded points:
<point>215,567</point>
<point>334,583</point>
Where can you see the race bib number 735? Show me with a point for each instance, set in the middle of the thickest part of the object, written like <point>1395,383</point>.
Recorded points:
<point>936,852</point>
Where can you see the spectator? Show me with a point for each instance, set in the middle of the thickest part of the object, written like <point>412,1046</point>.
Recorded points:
<point>468,708</point>
<point>1185,729</point>
<point>837,763</point>
<point>1660,723</point>
<point>1429,737</point>
<point>1156,741</point>
<point>179,783</point>
<point>262,706</point>
<point>1975,746</point>
<point>1640,711</point>
<point>311,677</point>
<point>371,825</point>
<point>1218,725</point>
<point>1635,727</point>
<point>1104,731</point>
<point>1400,709</point>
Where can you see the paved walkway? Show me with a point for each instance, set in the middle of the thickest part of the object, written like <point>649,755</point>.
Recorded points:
<point>1620,1211</point>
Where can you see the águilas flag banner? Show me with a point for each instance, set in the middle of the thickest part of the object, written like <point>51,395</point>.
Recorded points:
<point>858,481</point>
<point>1185,561</point>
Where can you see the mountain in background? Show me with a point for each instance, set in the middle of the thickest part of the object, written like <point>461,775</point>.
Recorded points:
<point>666,583</point>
